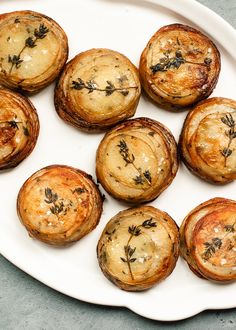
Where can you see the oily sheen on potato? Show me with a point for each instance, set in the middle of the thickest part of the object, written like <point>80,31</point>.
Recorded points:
<point>97,89</point>
<point>179,66</point>
<point>137,160</point>
<point>34,48</point>
<point>138,248</point>
<point>208,241</point>
<point>208,140</point>
<point>19,128</point>
<point>59,205</point>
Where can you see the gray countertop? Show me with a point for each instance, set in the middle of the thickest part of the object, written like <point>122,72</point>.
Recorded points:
<point>25,303</point>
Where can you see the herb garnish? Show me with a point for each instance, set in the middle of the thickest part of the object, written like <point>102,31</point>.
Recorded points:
<point>129,158</point>
<point>58,205</point>
<point>128,250</point>
<point>231,134</point>
<point>216,242</point>
<point>230,228</point>
<point>15,124</point>
<point>175,62</point>
<point>211,247</point>
<point>30,42</point>
<point>91,86</point>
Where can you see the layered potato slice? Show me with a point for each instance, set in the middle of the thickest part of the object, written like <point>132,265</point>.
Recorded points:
<point>19,128</point>
<point>34,48</point>
<point>138,248</point>
<point>97,89</point>
<point>59,205</point>
<point>208,140</point>
<point>179,66</point>
<point>208,240</point>
<point>137,160</point>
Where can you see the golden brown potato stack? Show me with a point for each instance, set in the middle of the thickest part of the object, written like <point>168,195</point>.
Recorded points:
<point>34,49</point>
<point>179,66</point>
<point>208,240</point>
<point>97,89</point>
<point>208,140</point>
<point>59,205</point>
<point>19,128</point>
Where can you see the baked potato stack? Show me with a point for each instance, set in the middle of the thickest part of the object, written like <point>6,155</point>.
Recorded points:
<point>208,240</point>
<point>97,89</point>
<point>138,248</point>
<point>207,142</point>
<point>34,49</point>
<point>59,205</point>
<point>137,160</point>
<point>19,128</point>
<point>179,66</point>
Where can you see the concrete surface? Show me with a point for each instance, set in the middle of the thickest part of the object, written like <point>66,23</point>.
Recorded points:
<point>27,304</point>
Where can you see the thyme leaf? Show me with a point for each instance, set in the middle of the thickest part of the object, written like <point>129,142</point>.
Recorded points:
<point>139,180</point>
<point>134,230</point>
<point>229,228</point>
<point>149,223</point>
<point>147,175</point>
<point>79,190</point>
<point>15,60</point>
<point>26,131</point>
<point>41,32</point>
<point>51,197</point>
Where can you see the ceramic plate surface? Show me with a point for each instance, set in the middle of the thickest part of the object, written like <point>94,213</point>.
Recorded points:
<point>125,26</point>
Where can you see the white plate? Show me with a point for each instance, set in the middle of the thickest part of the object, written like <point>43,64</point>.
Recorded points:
<point>124,26</point>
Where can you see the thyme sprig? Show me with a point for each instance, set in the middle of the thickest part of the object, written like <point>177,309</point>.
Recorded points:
<point>58,205</point>
<point>175,62</point>
<point>216,242</point>
<point>91,86</point>
<point>129,251</point>
<point>211,247</point>
<point>12,123</point>
<point>230,133</point>
<point>30,42</point>
<point>15,124</point>
<point>129,158</point>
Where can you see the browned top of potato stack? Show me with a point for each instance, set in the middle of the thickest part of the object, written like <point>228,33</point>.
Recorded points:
<point>138,248</point>
<point>19,128</point>
<point>208,140</point>
<point>97,89</point>
<point>137,160</point>
<point>179,66</point>
<point>34,48</point>
<point>208,239</point>
<point>59,205</point>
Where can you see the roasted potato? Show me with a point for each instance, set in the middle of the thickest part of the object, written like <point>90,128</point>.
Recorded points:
<point>138,248</point>
<point>208,140</point>
<point>97,89</point>
<point>137,160</point>
<point>179,66</point>
<point>34,49</point>
<point>59,205</point>
<point>19,128</point>
<point>208,241</point>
